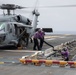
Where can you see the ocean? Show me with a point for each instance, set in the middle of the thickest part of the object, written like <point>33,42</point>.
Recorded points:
<point>62,32</point>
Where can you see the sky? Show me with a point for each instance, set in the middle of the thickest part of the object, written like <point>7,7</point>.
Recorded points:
<point>58,18</point>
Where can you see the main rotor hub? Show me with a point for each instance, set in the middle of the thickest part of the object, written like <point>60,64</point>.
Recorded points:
<point>10,7</point>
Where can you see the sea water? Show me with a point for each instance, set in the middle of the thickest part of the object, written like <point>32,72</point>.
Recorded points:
<point>62,32</point>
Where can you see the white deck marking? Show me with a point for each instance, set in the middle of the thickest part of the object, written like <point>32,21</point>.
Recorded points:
<point>51,39</point>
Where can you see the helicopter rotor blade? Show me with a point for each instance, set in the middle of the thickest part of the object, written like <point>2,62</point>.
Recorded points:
<point>36,7</point>
<point>53,6</point>
<point>33,9</point>
<point>22,11</point>
<point>57,6</point>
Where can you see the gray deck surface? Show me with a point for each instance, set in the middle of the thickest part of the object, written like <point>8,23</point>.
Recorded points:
<point>20,69</point>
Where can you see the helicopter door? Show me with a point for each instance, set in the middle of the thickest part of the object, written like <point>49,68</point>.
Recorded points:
<point>16,29</point>
<point>9,35</point>
<point>9,28</point>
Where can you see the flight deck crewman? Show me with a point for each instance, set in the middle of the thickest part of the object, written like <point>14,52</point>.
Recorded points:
<point>36,43</point>
<point>65,54</point>
<point>41,37</point>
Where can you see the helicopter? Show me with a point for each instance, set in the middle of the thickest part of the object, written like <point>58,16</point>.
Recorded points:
<point>16,30</point>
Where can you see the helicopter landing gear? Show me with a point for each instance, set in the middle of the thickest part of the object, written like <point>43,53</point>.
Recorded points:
<point>27,41</point>
<point>23,42</point>
<point>31,40</point>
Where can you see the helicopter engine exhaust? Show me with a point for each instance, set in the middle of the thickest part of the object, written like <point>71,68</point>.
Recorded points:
<point>20,18</point>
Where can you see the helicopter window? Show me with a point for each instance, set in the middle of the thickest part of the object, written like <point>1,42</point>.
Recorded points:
<point>2,27</point>
<point>15,29</point>
<point>9,28</point>
<point>18,17</point>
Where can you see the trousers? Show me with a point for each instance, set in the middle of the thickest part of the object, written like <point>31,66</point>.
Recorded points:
<point>36,44</point>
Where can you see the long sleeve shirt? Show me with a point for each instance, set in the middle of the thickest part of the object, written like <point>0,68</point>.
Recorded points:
<point>41,34</point>
<point>36,35</point>
<point>65,53</point>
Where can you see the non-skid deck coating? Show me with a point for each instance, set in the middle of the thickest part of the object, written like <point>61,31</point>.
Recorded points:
<point>20,69</point>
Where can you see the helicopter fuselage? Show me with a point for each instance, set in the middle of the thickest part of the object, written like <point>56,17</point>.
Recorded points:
<point>16,29</point>
<point>12,32</point>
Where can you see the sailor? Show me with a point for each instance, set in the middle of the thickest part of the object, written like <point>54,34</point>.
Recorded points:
<point>41,34</point>
<point>65,54</point>
<point>36,42</point>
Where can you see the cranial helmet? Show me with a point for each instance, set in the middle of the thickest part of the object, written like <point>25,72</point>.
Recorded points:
<point>64,49</point>
<point>40,30</point>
